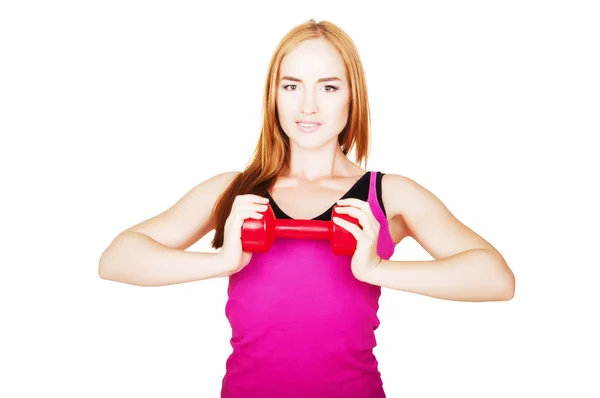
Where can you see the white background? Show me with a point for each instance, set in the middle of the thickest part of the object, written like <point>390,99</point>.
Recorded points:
<point>110,111</point>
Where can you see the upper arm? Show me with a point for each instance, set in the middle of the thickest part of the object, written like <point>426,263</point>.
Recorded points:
<point>190,218</point>
<point>428,220</point>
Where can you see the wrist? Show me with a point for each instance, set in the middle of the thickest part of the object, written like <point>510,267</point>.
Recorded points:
<point>219,265</point>
<point>225,265</point>
<point>369,275</point>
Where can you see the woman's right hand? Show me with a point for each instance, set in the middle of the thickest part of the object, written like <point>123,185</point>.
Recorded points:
<point>231,255</point>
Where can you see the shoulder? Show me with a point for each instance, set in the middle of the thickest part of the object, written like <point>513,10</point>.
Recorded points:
<point>403,196</point>
<point>213,186</point>
<point>226,177</point>
<point>222,180</point>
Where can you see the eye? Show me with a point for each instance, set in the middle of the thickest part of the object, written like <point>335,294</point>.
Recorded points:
<point>289,85</point>
<point>333,88</point>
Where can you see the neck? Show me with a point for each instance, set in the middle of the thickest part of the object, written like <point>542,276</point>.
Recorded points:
<point>315,164</point>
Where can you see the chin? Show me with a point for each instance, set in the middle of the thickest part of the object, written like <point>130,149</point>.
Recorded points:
<point>314,142</point>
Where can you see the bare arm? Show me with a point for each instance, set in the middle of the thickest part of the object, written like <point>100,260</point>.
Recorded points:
<point>472,275</point>
<point>153,252</point>
<point>465,266</point>
<point>139,260</point>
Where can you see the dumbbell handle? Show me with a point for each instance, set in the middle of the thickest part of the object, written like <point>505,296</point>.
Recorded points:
<point>313,229</point>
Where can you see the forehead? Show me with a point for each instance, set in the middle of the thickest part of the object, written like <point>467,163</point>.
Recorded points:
<point>313,59</point>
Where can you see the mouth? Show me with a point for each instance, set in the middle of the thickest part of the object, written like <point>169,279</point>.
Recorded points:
<point>308,127</point>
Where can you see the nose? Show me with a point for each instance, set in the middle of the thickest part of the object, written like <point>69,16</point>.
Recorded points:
<point>309,105</point>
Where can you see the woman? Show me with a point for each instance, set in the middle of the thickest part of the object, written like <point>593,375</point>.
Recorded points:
<point>303,318</point>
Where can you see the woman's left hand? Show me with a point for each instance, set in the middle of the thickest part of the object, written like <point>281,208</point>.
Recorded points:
<point>365,257</point>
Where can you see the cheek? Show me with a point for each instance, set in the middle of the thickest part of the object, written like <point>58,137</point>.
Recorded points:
<point>340,110</point>
<point>285,107</point>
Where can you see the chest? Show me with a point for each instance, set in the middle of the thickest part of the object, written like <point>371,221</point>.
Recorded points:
<point>308,200</point>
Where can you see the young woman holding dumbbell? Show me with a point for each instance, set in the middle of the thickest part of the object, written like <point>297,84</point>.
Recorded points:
<point>305,235</point>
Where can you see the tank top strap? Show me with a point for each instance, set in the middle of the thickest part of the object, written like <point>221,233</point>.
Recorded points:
<point>373,199</point>
<point>386,243</point>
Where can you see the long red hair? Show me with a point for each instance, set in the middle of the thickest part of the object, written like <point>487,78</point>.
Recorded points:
<point>272,150</point>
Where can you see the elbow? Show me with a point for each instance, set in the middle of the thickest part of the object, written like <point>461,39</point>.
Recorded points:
<point>111,270</point>
<point>505,292</point>
<point>110,263</point>
<point>108,273</point>
<point>503,277</point>
<point>509,287</point>
<point>500,285</point>
<point>107,264</point>
<point>505,284</point>
<point>103,268</point>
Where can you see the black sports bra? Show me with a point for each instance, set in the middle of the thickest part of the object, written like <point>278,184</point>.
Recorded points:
<point>360,190</point>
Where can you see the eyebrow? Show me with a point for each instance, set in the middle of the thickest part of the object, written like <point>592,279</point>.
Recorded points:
<point>323,79</point>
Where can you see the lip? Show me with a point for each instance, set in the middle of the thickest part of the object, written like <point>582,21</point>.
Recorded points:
<point>308,129</point>
<point>308,122</point>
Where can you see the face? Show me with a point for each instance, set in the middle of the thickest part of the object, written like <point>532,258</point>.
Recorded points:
<point>313,88</point>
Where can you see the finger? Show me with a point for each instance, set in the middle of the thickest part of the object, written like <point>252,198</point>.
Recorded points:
<point>362,219</point>
<point>238,221</point>
<point>350,227</point>
<point>261,208</point>
<point>353,212</point>
<point>361,204</point>
<point>248,213</point>
<point>252,214</point>
<point>250,198</point>
<point>240,216</point>
<point>369,224</point>
<point>242,207</point>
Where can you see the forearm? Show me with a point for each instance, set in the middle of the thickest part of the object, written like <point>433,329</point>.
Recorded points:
<point>136,259</point>
<point>474,275</point>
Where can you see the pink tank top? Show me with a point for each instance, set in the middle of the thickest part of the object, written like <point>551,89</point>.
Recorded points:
<point>302,325</point>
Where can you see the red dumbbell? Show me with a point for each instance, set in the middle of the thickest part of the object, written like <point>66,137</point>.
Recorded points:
<point>258,235</point>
